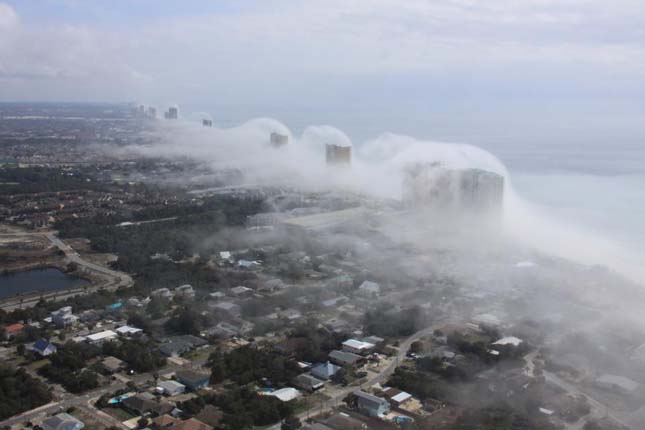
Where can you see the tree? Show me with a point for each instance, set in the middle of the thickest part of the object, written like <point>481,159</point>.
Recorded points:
<point>416,347</point>
<point>291,423</point>
<point>142,422</point>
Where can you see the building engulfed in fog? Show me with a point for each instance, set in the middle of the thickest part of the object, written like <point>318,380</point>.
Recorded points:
<point>173,113</point>
<point>338,155</point>
<point>434,186</point>
<point>278,139</point>
<point>207,122</point>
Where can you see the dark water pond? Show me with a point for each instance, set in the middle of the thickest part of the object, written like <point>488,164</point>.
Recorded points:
<point>37,280</point>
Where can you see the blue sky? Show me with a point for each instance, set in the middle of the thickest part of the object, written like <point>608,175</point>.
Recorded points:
<point>508,60</point>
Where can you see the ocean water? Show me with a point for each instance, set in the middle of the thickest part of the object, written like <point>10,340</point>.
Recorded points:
<point>586,168</point>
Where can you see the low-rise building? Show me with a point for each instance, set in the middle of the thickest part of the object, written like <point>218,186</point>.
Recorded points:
<point>129,331</point>
<point>325,371</point>
<point>100,337</point>
<point>62,421</point>
<point>285,394</point>
<point>43,347</point>
<point>357,346</point>
<point>112,364</point>
<point>309,382</point>
<point>372,405</point>
<point>64,317</point>
<point>145,403</point>
<point>344,358</point>
<point>186,291</point>
<point>178,345</point>
<point>369,288</point>
<point>193,380</point>
<point>171,388</point>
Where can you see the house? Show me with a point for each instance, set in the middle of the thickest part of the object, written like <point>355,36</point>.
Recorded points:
<point>248,264</point>
<point>112,364</point>
<point>62,421</point>
<point>186,291</point>
<point>193,380</point>
<point>43,347</point>
<point>272,285</point>
<point>210,415</point>
<point>369,288</point>
<point>325,371</point>
<point>228,307</point>
<point>128,331</point>
<point>334,301</point>
<point>309,382</point>
<point>290,314</point>
<point>374,340</point>
<point>508,340</point>
<point>344,358</point>
<point>241,290</point>
<point>10,331</point>
<point>217,295</point>
<point>145,403</point>
<point>100,337</point>
<point>371,405</point>
<point>171,388</point>
<point>163,422</point>
<point>178,345</point>
<point>396,396</point>
<point>357,346</point>
<point>190,424</point>
<point>63,317</point>
<point>163,293</point>
<point>285,394</point>
<point>342,421</point>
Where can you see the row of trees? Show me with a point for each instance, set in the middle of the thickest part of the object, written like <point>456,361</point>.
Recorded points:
<point>248,364</point>
<point>141,356</point>
<point>244,409</point>
<point>66,367</point>
<point>20,392</point>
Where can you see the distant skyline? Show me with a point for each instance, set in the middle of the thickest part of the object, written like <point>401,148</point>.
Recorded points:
<point>464,70</point>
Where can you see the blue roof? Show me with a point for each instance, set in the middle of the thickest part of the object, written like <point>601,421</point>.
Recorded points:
<point>114,306</point>
<point>41,344</point>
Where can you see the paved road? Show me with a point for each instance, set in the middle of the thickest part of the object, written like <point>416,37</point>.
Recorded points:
<point>115,279</point>
<point>598,409</point>
<point>381,377</point>
<point>85,400</point>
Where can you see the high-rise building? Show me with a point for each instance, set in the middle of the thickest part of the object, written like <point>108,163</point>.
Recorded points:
<point>207,122</point>
<point>173,113</point>
<point>434,186</point>
<point>338,155</point>
<point>152,112</point>
<point>278,139</point>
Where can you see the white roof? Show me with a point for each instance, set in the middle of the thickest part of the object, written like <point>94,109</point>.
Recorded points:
<point>546,411</point>
<point>401,397</point>
<point>126,329</point>
<point>524,264</point>
<point>101,335</point>
<point>370,286</point>
<point>170,384</point>
<point>358,344</point>
<point>508,340</point>
<point>489,319</point>
<point>285,394</point>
